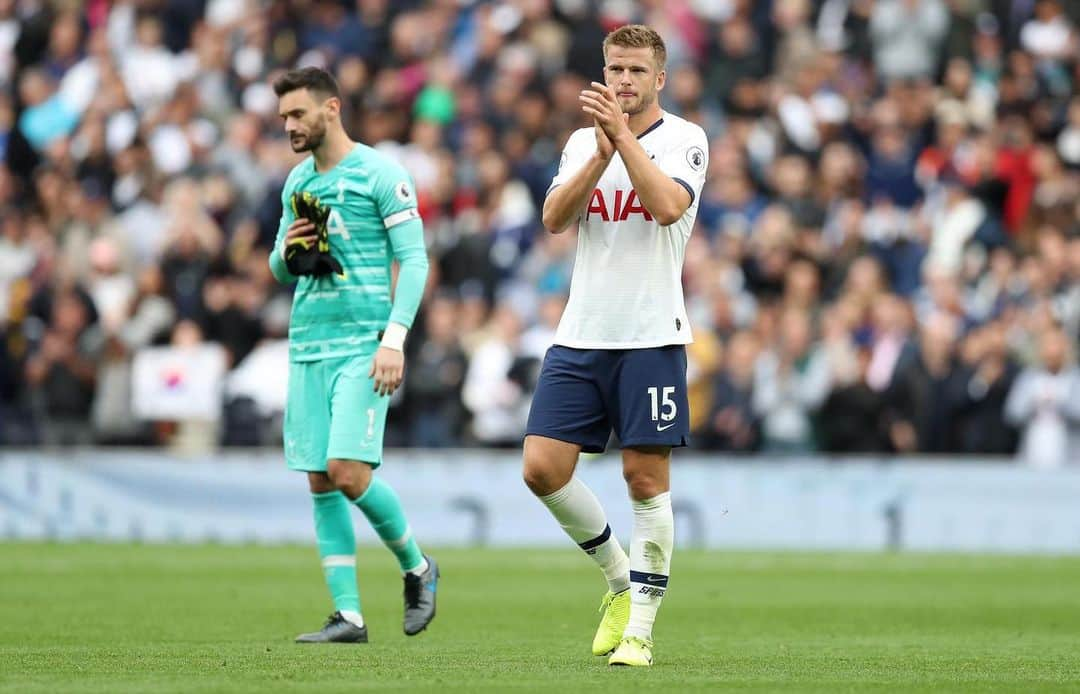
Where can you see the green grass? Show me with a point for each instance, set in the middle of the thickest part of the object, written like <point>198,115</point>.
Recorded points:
<point>124,618</point>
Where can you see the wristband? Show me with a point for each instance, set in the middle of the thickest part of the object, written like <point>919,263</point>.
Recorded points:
<point>394,337</point>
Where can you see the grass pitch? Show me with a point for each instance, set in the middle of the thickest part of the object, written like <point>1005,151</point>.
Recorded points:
<point>103,618</point>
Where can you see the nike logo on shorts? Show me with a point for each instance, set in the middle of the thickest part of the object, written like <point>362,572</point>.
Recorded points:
<point>666,426</point>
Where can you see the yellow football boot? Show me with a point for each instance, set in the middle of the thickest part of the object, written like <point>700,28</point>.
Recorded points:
<point>616,610</point>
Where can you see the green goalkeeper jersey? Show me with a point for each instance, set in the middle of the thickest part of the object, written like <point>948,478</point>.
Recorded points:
<point>373,219</point>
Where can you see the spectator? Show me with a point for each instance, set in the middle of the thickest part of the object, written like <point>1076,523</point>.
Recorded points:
<point>149,316</point>
<point>740,56</point>
<point>537,339</point>
<point>150,72</point>
<point>918,407</point>
<point>907,37</point>
<point>703,358</point>
<point>891,344</point>
<point>1045,403</point>
<point>63,371</point>
<point>1068,141</point>
<point>1049,36</point>
<point>499,382</point>
<point>437,370</point>
<point>870,162</point>
<point>732,424</point>
<point>852,417</point>
<point>983,382</point>
<point>791,381</point>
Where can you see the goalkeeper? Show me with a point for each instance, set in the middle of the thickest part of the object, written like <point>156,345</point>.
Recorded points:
<point>348,212</point>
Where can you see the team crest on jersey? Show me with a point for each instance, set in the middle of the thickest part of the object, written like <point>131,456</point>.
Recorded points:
<point>402,192</point>
<point>695,158</point>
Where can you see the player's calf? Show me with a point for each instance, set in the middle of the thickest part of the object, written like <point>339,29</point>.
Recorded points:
<point>650,563</point>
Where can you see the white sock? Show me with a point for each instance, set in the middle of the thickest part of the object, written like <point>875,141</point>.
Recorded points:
<point>419,569</point>
<point>582,517</point>
<point>650,562</point>
<point>353,617</point>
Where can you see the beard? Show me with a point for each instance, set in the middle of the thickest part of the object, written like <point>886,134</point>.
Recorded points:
<point>311,141</point>
<point>643,102</point>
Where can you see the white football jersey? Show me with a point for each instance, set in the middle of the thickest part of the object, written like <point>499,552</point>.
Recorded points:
<point>626,291</point>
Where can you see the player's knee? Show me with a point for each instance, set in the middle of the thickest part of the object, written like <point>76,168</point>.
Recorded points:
<point>350,476</point>
<point>542,478</point>
<point>642,484</point>
<point>320,483</point>
<point>536,477</point>
<point>548,465</point>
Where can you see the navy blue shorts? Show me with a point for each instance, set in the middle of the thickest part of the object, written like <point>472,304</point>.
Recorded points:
<point>583,394</point>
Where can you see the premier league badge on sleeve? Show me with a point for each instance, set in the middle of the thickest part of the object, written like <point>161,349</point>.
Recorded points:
<point>695,158</point>
<point>402,192</point>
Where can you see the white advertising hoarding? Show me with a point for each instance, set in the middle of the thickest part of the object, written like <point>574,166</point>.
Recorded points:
<point>475,497</point>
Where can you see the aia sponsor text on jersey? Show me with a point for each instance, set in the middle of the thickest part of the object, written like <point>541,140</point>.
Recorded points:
<point>621,207</point>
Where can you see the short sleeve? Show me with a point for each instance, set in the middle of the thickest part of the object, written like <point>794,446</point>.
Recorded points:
<point>395,196</point>
<point>686,160</point>
<point>574,156</point>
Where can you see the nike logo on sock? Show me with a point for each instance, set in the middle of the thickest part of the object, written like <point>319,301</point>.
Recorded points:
<point>659,580</point>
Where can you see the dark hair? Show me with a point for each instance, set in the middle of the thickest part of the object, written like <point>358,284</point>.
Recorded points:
<point>311,78</point>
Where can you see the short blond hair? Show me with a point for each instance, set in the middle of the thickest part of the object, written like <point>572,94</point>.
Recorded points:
<point>638,36</point>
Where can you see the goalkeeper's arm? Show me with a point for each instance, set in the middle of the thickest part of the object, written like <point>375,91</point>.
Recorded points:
<point>300,229</point>
<point>407,242</point>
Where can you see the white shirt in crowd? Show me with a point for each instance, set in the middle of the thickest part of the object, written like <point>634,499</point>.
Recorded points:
<point>1046,406</point>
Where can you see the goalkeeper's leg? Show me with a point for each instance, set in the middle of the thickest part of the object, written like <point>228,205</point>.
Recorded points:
<point>354,452</point>
<point>382,507</point>
<point>337,550</point>
<point>306,431</point>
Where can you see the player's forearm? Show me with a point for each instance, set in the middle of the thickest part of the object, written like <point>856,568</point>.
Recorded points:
<point>665,199</point>
<point>278,269</point>
<point>564,204</point>
<point>407,240</point>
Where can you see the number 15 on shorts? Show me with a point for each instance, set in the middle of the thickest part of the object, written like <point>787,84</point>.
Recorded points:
<point>663,407</point>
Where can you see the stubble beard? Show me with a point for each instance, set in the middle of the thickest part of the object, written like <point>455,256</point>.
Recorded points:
<point>313,139</point>
<point>644,102</point>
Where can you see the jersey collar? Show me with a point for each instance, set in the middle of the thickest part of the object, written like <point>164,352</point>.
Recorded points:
<point>652,127</point>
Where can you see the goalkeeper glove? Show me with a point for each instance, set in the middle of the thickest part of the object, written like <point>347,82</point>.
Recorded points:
<point>302,257</point>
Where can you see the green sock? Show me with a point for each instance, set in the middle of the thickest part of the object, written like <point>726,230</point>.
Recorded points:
<point>337,549</point>
<point>383,510</point>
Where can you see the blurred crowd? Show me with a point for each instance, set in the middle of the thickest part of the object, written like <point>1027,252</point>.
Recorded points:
<point>886,257</point>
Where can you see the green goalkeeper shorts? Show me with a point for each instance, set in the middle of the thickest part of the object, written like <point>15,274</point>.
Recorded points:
<point>333,412</point>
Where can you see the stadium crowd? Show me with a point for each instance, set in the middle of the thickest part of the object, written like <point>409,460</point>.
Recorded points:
<point>886,256</point>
